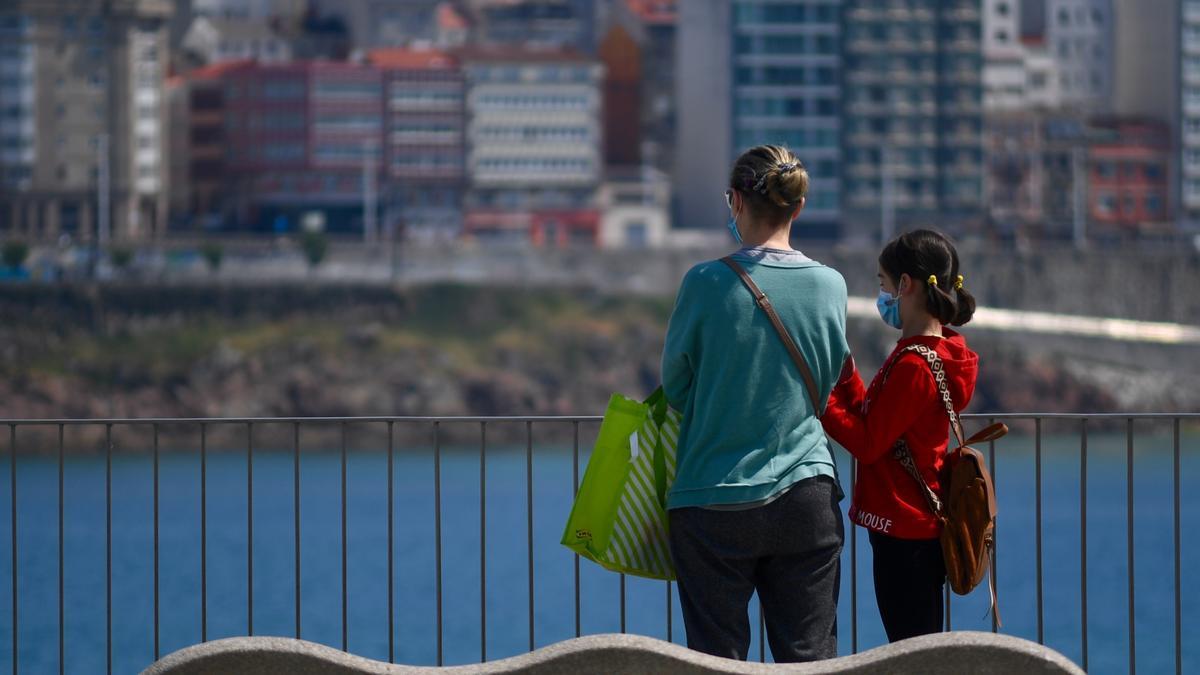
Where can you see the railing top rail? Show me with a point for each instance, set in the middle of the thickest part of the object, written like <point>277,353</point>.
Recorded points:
<point>301,420</point>
<point>517,418</point>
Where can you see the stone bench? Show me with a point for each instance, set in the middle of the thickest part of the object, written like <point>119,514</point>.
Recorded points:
<point>943,653</point>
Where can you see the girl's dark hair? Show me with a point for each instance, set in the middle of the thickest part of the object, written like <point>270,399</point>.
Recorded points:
<point>922,254</point>
<point>771,179</point>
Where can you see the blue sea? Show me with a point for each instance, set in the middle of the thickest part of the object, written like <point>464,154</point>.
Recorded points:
<point>414,640</point>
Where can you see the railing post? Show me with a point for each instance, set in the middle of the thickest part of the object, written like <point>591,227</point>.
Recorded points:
<point>437,528</point>
<point>108,541</point>
<point>12,476</point>
<point>529,520</point>
<point>995,543</point>
<point>575,493</point>
<point>1178,588</point>
<point>62,616</point>
<point>853,566</point>
<point>391,546</point>
<point>156,547</point>
<point>250,529</point>
<point>1083,598</point>
<point>1038,530</point>
<point>296,514</point>
<point>203,534</point>
<point>482,542</point>
<point>1129,541</point>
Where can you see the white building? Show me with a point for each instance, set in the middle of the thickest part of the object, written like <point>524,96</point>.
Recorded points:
<point>216,40</point>
<point>83,119</point>
<point>247,9</point>
<point>635,209</point>
<point>1017,74</point>
<point>534,145</point>
<point>1079,35</point>
<point>534,131</point>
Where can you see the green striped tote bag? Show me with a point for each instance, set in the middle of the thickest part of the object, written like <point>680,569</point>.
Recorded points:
<point>619,519</point>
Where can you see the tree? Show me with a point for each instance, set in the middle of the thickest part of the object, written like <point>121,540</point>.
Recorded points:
<point>213,253</point>
<point>315,246</point>
<point>14,253</point>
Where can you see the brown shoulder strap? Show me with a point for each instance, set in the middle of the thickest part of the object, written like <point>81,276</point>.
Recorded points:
<point>765,303</point>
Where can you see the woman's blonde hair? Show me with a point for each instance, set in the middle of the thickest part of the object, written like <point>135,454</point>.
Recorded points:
<point>771,180</point>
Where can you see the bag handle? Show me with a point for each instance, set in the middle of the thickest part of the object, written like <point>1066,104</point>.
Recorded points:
<point>657,403</point>
<point>990,433</point>
<point>764,302</point>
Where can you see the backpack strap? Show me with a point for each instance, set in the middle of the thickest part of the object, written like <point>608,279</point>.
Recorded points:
<point>939,375</point>
<point>901,451</point>
<point>764,303</point>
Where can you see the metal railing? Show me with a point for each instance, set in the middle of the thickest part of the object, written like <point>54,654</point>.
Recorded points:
<point>571,424</point>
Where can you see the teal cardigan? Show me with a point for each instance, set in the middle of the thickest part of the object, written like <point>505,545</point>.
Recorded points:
<point>749,430</point>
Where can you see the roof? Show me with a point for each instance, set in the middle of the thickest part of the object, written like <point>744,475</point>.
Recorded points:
<point>403,58</point>
<point>654,11</point>
<point>449,18</point>
<point>519,54</point>
<point>216,70</point>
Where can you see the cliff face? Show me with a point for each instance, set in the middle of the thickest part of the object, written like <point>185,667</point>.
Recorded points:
<point>436,350</point>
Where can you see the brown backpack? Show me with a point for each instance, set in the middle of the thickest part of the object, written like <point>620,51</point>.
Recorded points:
<point>967,506</point>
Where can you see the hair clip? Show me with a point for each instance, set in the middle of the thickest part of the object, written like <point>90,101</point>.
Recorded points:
<point>788,167</point>
<point>761,186</point>
<point>958,283</point>
<point>932,281</point>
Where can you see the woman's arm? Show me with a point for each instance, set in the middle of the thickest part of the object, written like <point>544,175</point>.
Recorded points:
<point>908,391</point>
<point>679,351</point>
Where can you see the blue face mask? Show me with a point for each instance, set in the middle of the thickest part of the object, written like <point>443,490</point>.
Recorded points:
<point>889,308</point>
<point>733,229</point>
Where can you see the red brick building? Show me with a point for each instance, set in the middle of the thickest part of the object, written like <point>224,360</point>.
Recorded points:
<point>298,136</point>
<point>622,59</point>
<point>1128,168</point>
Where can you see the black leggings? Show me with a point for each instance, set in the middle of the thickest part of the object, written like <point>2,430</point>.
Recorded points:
<point>910,575</point>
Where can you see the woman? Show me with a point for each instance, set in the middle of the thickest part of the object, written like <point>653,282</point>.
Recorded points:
<point>921,292</point>
<point>754,505</point>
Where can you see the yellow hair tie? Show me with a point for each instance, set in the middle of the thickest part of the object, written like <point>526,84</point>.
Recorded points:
<point>932,280</point>
<point>959,282</point>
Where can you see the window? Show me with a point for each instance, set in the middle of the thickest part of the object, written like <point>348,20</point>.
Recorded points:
<point>283,151</point>
<point>347,89</point>
<point>1154,205</point>
<point>1002,8</point>
<point>283,89</point>
<point>1002,36</point>
<point>1106,203</point>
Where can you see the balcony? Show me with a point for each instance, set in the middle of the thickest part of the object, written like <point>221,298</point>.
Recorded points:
<point>435,539</point>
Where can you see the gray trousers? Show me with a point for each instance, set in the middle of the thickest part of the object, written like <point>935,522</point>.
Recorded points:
<point>788,550</point>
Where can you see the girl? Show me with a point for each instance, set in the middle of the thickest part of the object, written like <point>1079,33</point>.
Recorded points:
<point>921,292</point>
<point>754,506</point>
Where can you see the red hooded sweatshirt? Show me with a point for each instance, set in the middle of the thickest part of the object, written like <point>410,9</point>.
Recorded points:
<point>867,422</point>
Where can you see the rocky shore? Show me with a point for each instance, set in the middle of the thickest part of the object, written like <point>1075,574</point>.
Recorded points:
<point>251,351</point>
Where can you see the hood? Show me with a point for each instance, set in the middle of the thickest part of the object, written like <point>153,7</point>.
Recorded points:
<point>962,364</point>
